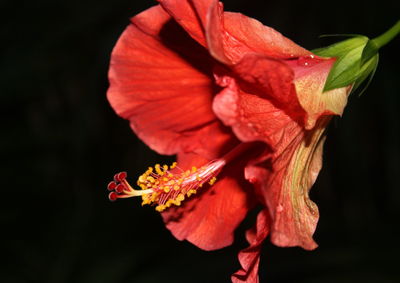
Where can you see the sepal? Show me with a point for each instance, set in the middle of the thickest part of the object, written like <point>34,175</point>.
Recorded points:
<point>356,61</point>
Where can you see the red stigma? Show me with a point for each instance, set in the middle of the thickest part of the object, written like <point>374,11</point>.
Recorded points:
<point>111,186</point>
<point>119,177</point>
<point>120,188</point>
<point>112,196</point>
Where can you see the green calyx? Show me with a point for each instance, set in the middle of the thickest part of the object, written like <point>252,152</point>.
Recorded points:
<point>357,59</point>
<point>349,67</point>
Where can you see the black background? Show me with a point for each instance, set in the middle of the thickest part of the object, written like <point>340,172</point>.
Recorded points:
<point>61,144</point>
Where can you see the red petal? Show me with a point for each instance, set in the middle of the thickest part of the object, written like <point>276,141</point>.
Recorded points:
<point>296,216</point>
<point>249,258</point>
<point>310,78</point>
<point>185,14</point>
<point>253,118</point>
<point>160,81</point>
<point>273,80</point>
<point>283,176</point>
<point>202,20</point>
<point>209,219</point>
<point>249,47</point>
<point>229,36</point>
<point>247,35</point>
<point>291,86</point>
<point>211,141</point>
<point>285,180</point>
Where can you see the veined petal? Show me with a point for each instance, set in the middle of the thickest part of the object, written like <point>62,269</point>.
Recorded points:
<point>253,118</point>
<point>249,258</point>
<point>271,79</point>
<point>202,20</point>
<point>310,74</point>
<point>210,141</point>
<point>284,175</point>
<point>285,180</point>
<point>185,14</point>
<point>294,86</point>
<point>283,72</point>
<point>212,18</point>
<point>160,81</point>
<point>209,219</point>
<point>229,36</point>
<point>247,35</point>
<point>296,216</point>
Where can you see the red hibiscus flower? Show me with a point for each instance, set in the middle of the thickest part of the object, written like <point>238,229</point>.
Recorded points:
<point>238,101</point>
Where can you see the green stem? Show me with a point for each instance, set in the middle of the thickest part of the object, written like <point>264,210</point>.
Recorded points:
<point>386,37</point>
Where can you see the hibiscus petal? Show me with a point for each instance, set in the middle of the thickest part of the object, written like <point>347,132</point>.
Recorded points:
<point>229,36</point>
<point>310,76</point>
<point>160,81</point>
<point>211,141</point>
<point>248,46</point>
<point>209,219</point>
<point>285,180</point>
<point>296,216</point>
<point>247,35</point>
<point>285,174</point>
<point>195,17</point>
<point>249,258</point>
<point>211,13</point>
<point>271,79</point>
<point>295,86</point>
<point>252,117</point>
<point>185,14</point>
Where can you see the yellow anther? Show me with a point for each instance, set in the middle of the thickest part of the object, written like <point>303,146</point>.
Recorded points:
<point>165,179</point>
<point>180,197</point>
<point>160,207</point>
<point>194,169</point>
<point>150,179</point>
<point>153,197</point>
<point>176,187</point>
<point>145,201</point>
<point>212,181</point>
<point>170,175</point>
<point>158,169</point>
<point>165,167</point>
<point>169,203</point>
<point>191,192</point>
<point>166,189</point>
<point>142,179</point>
<point>173,165</point>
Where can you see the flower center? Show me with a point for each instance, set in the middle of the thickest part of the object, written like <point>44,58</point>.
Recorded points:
<point>165,185</point>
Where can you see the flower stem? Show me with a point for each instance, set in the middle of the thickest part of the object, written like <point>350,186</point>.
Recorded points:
<point>386,37</point>
<point>372,47</point>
